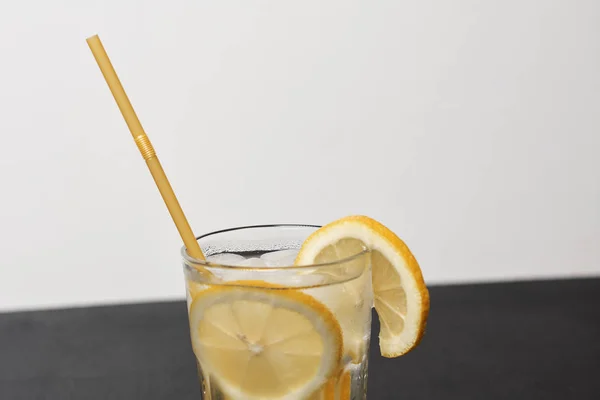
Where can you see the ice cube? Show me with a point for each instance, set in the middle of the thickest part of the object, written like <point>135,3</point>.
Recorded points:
<point>225,259</point>
<point>251,262</point>
<point>280,258</point>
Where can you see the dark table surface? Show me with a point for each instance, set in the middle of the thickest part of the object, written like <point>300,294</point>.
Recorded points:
<point>528,340</point>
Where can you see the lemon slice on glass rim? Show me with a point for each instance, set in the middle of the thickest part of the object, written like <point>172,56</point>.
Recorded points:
<point>401,298</point>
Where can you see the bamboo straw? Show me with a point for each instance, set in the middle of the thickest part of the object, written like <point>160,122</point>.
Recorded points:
<point>145,147</point>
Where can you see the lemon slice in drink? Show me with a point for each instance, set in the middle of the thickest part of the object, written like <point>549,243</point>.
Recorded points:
<point>337,388</point>
<point>401,298</point>
<point>264,342</point>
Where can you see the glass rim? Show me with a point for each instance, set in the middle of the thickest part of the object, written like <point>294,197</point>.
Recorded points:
<point>210,265</point>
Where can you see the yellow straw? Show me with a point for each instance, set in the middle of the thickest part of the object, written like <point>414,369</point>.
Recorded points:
<point>145,147</point>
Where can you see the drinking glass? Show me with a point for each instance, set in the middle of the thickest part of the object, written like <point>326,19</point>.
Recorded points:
<point>264,328</point>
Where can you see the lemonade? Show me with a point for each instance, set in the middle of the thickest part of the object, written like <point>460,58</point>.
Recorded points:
<point>284,312</point>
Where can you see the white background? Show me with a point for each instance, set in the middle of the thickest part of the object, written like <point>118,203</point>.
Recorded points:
<point>471,128</point>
